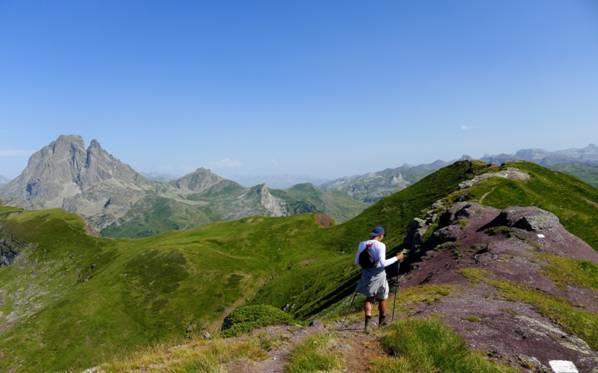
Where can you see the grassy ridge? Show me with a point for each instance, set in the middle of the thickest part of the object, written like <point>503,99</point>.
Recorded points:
<point>90,298</point>
<point>307,287</point>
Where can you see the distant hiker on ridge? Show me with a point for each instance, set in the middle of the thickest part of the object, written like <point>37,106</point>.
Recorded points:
<point>371,257</point>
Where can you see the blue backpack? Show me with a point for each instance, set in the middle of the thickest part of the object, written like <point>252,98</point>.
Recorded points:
<point>366,257</point>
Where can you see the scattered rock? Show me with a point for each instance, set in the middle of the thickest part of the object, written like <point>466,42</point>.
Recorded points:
<point>510,173</point>
<point>532,219</point>
<point>9,250</point>
<point>316,324</point>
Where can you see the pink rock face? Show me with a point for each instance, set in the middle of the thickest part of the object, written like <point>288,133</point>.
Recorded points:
<point>505,243</point>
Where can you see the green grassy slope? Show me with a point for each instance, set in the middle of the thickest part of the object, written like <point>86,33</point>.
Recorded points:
<point>72,301</point>
<point>155,214</point>
<point>585,172</point>
<point>304,198</point>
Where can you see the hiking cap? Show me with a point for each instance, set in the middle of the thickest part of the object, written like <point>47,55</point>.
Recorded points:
<point>379,230</point>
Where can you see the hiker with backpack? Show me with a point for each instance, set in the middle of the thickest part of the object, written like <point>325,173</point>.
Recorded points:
<point>371,257</point>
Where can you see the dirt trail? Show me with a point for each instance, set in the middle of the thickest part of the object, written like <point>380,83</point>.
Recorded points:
<point>356,348</point>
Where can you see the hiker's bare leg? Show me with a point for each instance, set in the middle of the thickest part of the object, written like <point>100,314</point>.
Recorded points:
<point>367,306</point>
<point>382,307</point>
<point>382,313</point>
<point>367,309</point>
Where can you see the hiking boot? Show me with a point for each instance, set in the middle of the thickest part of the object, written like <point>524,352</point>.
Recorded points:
<point>382,321</point>
<point>367,322</point>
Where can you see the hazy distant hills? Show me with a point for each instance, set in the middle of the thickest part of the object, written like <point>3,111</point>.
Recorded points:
<point>587,155</point>
<point>3,180</point>
<point>116,200</point>
<point>581,163</point>
<point>373,186</point>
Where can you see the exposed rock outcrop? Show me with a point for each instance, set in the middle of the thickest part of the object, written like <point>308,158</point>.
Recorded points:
<point>9,250</point>
<point>90,182</point>
<point>274,205</point>
<point>510,173</point>
<point>510,245</point>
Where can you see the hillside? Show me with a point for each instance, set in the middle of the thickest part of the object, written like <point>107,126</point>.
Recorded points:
<point>94,299</point>
<point>585,172</point>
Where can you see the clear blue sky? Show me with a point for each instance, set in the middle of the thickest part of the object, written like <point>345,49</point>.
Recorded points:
<point>321,88</point>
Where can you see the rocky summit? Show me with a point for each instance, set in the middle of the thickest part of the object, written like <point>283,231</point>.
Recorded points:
<point>88,181</point>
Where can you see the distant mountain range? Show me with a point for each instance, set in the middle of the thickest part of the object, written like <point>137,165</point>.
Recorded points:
<point>116,200</point>
<point>4,180</point>
<point>587,155</point>
<point>373,186</point>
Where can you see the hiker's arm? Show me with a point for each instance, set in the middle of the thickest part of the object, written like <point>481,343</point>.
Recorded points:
<point>386,262</point>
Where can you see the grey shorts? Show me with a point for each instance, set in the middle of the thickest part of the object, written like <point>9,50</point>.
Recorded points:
<point>373,283</point>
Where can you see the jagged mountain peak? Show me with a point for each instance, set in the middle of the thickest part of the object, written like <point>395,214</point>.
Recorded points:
<point>94,144</point>
<point>65,174</point>
<point>69,139</point>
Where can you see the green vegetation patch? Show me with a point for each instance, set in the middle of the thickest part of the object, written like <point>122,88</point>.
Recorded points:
<point>427,293</point>
<point>472,318</point>
<point>574,320</point>
<point>315,354</point>
<point>567,271</point>
<point>427,345</point>
<point>248,318</point>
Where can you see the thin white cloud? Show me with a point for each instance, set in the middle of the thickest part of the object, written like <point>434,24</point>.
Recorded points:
<point>226,163</point>
<point>465,127</point>
<point>14,153</point>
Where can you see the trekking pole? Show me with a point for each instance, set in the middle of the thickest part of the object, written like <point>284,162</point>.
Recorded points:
<point>394,305</point>
<point>350,308</point>
<point>394,302</point>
